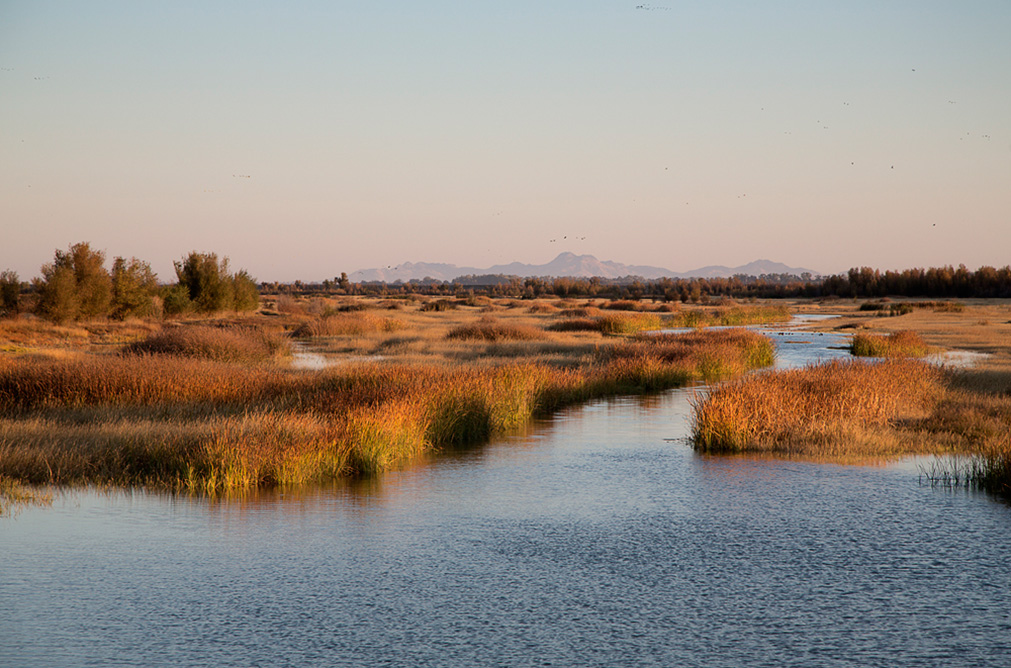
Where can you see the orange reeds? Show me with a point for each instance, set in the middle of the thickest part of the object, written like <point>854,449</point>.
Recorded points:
<point>490,329</point>
<point>824,409</point>
<point>204,425</point>
<point>898,344</point>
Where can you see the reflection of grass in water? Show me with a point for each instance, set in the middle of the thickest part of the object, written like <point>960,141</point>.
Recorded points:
<point>209,426</point>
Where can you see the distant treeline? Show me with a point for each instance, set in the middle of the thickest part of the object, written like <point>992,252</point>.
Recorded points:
<point>864,282</point>
<point>76,286</point>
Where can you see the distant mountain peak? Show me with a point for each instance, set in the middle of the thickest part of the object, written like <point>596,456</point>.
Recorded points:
<point>567,264</point>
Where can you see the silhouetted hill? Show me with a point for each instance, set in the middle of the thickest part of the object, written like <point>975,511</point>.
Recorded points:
<point>566,264</point>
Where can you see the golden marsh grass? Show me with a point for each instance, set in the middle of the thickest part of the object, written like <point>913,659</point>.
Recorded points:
<point>184,418</point>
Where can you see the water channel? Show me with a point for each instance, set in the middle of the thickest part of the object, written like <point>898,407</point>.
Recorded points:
<point>595,538</point>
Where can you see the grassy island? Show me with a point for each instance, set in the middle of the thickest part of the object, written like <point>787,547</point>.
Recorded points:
<point>895,405</point>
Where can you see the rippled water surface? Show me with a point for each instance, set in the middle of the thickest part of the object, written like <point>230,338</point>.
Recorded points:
<point>598,538</point>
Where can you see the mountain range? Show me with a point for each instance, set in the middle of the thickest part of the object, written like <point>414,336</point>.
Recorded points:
<point>567,264</point>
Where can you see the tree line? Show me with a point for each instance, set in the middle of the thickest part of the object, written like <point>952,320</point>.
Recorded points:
<point>937,282</point>
<point>77,286</point>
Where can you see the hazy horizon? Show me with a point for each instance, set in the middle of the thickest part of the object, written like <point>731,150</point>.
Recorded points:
<point>305,140</point>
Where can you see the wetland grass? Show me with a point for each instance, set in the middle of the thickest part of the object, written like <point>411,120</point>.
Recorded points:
<point>205,425</point>
<point>491,329</point>
<point>904,343</point>
<point>224,344</point>
<point>347,323</point>
<point>853,409</point>
<point>836,408</point>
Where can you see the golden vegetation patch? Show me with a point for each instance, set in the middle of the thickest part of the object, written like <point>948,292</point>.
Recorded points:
<point>841,407</point>
<point>226,344</point>
<point>347,324</point>
<point>897,344</point>
<point>492,329</point>
<point>203,425</point>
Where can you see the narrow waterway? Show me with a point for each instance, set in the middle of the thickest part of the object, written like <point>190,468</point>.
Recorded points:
<point>596,538</point>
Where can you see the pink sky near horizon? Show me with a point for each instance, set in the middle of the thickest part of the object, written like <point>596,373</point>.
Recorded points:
<point>305,140</point>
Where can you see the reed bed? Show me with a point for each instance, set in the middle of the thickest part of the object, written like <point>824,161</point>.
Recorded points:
<point>898,344</point>
<point>632,317</point>
<point>352,323</point>
<point>842,407</point>
<point>581,312</point>
<point>628,322</point>
<point>491,329</point>
<point>224,344</point>
<point>210,426</point>
<point>709,354</point>
<point>751,315</point>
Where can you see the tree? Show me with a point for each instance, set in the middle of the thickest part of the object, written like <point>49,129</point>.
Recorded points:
<point>57,291</point>
<point>134,286</point>
<point>210,287</point>
<point>247,297</point>
<point>206,281</point>
<point>75,285</point>
<point>10,293</point>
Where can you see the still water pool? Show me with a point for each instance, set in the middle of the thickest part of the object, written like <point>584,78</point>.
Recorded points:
<point>596,538</point>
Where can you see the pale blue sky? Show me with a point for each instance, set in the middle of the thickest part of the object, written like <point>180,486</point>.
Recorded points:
<point>820,134</point>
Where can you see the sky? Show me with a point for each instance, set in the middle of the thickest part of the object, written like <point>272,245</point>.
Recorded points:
<point>306,139</point>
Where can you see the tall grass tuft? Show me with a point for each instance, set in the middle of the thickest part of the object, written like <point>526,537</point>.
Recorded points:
<point>353,323</point>
<point>629,323</point>
<point>228,344</point>
<point>898,344</point>
<point>490,329</point>
<point>833,408</point>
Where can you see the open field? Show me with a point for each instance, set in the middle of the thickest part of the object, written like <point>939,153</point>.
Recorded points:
<point>217,404</point>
